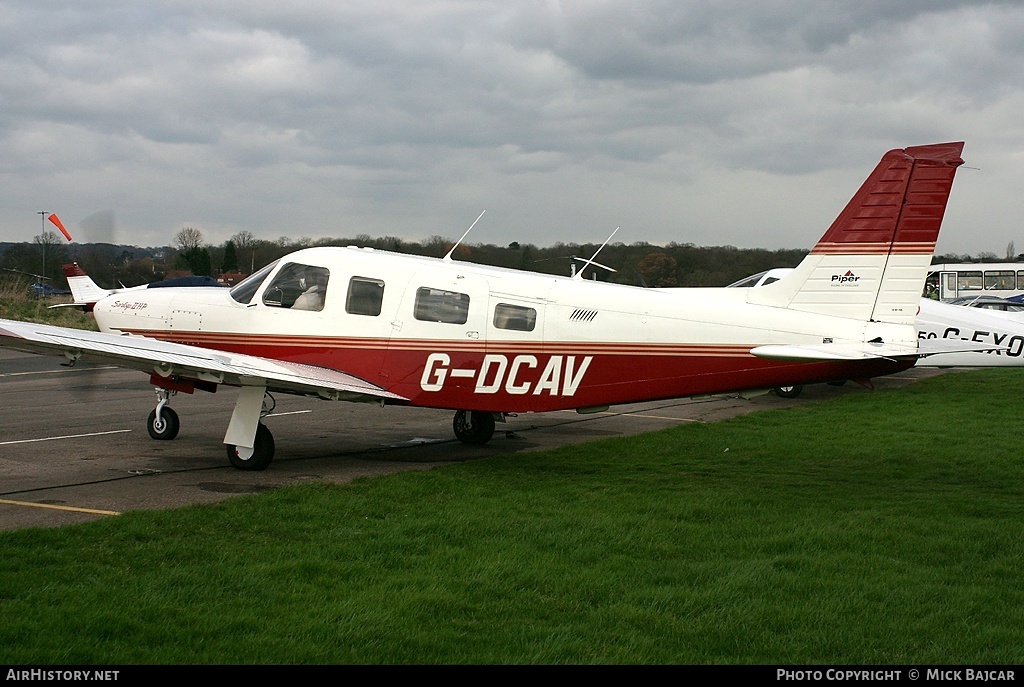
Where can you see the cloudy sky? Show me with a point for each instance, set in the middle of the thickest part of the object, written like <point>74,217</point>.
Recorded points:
<point>748,123</point>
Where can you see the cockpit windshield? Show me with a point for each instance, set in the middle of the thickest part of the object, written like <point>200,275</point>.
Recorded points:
<point>243,291</point>
<point>748,281</point>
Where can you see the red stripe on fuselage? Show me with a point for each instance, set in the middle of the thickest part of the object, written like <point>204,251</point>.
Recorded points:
<point>503,376</point>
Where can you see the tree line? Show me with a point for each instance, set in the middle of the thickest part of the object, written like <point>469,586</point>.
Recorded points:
<point>640,263</point>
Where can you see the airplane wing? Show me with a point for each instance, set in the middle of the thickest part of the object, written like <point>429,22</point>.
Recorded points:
<point>868,350</point>
<point>167,360</point>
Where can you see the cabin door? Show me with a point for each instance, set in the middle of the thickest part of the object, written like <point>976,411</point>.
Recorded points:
<point>438,338</point>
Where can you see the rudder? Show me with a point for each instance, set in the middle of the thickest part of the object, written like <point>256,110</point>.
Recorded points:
<point>872,261</point>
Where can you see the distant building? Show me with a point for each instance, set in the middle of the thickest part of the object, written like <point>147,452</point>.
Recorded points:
<point>230,278</point>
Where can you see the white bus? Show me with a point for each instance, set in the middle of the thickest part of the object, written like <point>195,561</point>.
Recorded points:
<point>1003,279</point>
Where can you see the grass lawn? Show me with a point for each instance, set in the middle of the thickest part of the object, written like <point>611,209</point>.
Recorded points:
<point>18,302</point>
<point>883,528</point>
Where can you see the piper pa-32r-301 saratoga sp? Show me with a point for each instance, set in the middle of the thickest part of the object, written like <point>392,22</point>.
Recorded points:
<point>362,325</point>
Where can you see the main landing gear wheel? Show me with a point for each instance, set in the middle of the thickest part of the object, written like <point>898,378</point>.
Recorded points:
<point>788,391</point>
<point>256,458</point>
<point>473,427</point>
<point>165,427</point>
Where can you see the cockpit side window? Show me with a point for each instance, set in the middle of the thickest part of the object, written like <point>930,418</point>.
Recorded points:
<point>299,287</point>
<point>244,290</point>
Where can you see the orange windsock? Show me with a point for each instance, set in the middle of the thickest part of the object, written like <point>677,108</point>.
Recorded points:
<point>56,222</point>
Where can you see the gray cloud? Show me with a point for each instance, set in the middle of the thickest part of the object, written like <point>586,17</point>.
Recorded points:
<point>733,122</point>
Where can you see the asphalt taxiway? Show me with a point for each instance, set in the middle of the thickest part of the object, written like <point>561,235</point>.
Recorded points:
<point>74,446</point>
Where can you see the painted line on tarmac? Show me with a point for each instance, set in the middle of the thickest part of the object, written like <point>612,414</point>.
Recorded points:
<point>291,412</point>
<point>612,413</point>
<point>66,436</point>
<point>657,417</point>
<point>91,511</point>
<point>57,372</point>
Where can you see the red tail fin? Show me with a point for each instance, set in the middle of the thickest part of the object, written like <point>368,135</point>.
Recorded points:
<point>872,261</point>
<point>899,207</point>
<point>73,270</point>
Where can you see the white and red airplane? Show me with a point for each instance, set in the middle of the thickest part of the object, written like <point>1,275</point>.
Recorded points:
<point>363,325</point>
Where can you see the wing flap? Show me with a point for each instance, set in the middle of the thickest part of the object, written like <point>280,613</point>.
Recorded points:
<point>172,359</point>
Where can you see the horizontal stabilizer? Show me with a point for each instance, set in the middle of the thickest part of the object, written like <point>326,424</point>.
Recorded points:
<point>869,350</point>
<point>811,352</point>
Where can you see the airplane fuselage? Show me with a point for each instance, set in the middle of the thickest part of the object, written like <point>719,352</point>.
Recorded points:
<point>463,336</point>
<point>350,324</point>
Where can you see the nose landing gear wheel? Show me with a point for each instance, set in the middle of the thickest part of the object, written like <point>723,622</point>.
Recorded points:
<point>473,427</point>
<point>256,458</point>
<point>165,427</point>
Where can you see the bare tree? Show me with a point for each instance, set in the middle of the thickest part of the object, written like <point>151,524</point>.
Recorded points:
<point>47,238</point>
<point>1011,254</point>
<point>244,240</point>
<point>188,239</point>
<point>245,244</point>
<point>53,251</point>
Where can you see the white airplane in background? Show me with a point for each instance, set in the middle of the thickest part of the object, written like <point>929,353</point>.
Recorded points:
<point>1000,335</point>
<point>948,322</point>
<point>1000,331</point>
<point>87,293</point>
<point>398,329</point>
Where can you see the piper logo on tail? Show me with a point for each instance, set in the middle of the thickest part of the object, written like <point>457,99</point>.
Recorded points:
<point>848,278</point>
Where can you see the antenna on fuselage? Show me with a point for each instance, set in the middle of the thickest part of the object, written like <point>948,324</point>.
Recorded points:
<point>448,257</point>
<point>579,273</point>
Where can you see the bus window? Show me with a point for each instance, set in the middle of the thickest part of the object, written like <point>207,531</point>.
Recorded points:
<point>1001,280</point>
<point>969,281</point>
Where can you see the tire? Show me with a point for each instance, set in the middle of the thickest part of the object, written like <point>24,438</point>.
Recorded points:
<point>788,391</point>
<point>167,428</point>
<point>261,455</point>
<point>473,427</point>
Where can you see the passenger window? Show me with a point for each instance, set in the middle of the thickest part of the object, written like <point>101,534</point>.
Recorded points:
<point>299,287</point>
<point>514,317</point>
<point>365,296</point>
<point>438,305</point>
